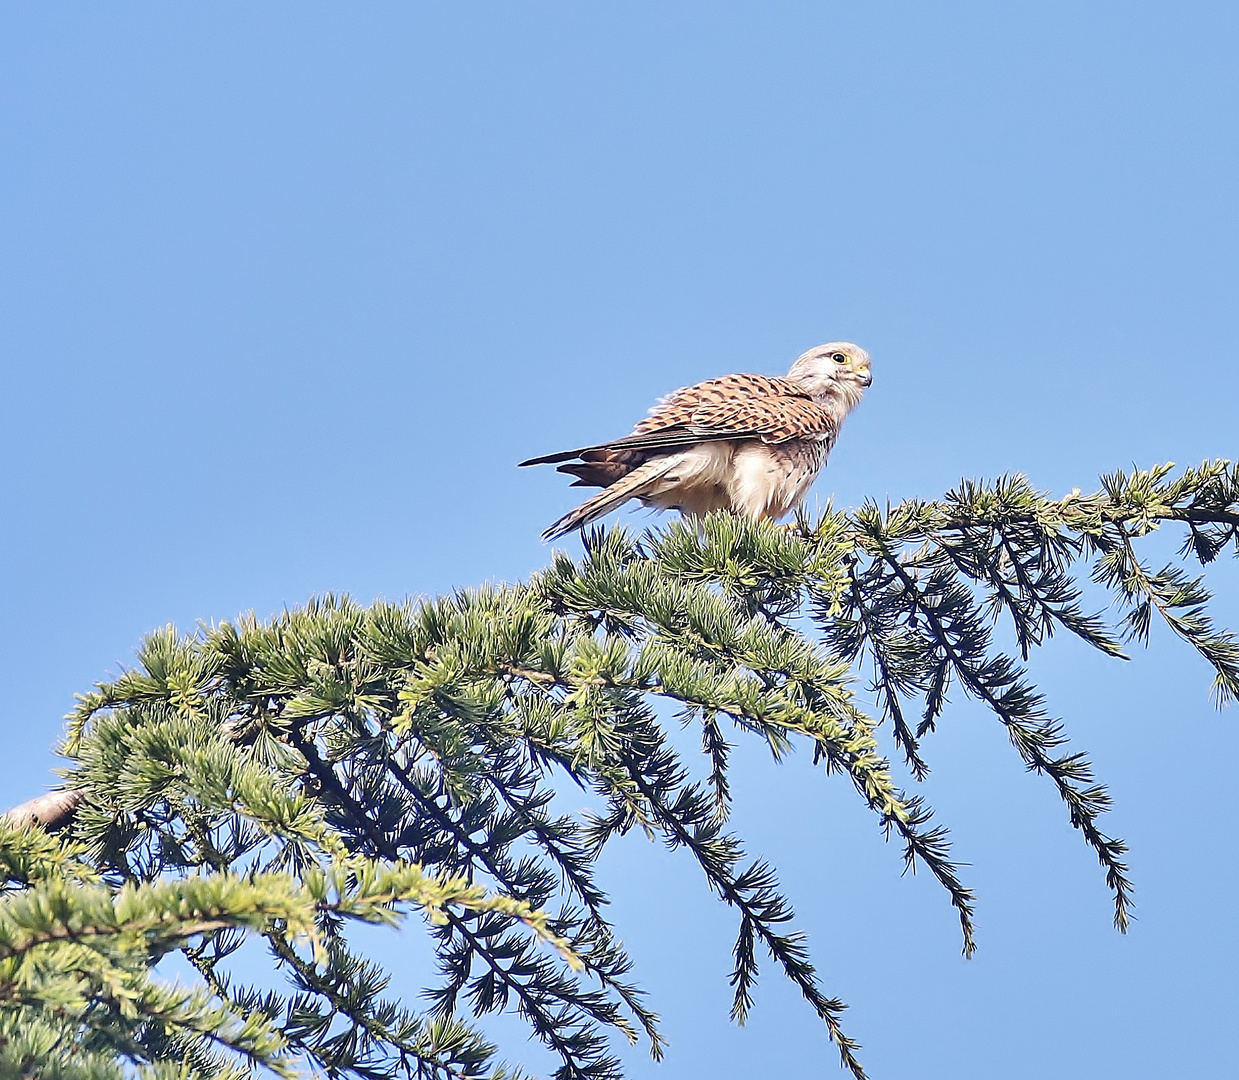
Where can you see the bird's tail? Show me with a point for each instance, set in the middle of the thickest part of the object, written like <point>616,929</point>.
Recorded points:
<point>628,487</point>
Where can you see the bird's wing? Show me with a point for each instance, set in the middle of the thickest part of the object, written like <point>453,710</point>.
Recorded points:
<point>732,407</point>
<point>739,406</point>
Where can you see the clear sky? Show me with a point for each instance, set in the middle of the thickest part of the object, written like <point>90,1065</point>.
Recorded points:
<point>288,288</point>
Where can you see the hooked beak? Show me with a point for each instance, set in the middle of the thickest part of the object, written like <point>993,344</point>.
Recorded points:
<point>865,378</point>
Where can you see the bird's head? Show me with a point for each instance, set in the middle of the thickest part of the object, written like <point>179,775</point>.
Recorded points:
<point>837,370</point>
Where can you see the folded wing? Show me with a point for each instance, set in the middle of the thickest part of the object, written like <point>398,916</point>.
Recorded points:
<point>762,407</point>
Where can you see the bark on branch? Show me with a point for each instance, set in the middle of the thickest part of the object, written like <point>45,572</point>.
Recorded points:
<point>52,810</point>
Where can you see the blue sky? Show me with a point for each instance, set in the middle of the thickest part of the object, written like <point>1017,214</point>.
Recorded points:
<point>289,288</point>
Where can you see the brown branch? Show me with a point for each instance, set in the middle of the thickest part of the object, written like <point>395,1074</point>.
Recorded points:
<point>53,810</point>
<point>1072,517</point>
<point>86,933</point>
<point>1204,517</point>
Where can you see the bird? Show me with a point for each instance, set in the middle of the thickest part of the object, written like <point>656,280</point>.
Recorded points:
<point>751,444</point>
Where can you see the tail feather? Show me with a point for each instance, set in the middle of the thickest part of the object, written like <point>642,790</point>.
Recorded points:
<point>628,487</point>
<point>597,473</point>
<point>552,459</point>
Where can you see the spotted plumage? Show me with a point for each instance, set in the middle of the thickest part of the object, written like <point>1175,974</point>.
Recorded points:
<point>752,444</point>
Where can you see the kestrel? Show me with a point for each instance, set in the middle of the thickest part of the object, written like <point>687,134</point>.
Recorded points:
<point>752,444</point>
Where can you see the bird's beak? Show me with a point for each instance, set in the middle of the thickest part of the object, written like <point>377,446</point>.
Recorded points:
<point>865,378</point>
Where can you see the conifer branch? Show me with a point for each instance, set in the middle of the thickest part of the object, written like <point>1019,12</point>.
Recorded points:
<point>754,893</point>
<point>437,733</point>
<point>1000,685</point>
<point>387,1028</point>
<point>882,644</point>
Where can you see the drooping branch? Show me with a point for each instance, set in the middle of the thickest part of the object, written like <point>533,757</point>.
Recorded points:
<point>438,733</point>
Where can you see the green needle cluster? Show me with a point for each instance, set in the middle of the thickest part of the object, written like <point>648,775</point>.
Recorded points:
<point>286,780</point>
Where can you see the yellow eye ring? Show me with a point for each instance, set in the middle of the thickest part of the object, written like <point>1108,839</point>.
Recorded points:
<point>839,358</point>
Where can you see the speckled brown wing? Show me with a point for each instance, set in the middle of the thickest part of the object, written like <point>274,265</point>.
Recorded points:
<point>737,406</point>
<point>731,407</point>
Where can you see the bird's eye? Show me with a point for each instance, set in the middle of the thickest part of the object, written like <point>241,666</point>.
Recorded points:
<point>839,358</point>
